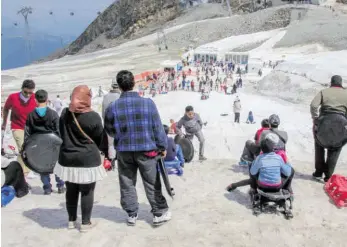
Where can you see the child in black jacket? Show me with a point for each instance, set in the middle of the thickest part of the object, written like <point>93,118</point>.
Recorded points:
<point>44,120</point>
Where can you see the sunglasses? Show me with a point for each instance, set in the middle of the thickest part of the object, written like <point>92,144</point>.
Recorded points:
<point>27,92</point>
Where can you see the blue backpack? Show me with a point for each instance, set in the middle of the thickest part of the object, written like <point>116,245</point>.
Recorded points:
<point>7,195</point>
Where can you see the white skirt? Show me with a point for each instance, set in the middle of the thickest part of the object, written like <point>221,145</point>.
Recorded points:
<point>80,175</point>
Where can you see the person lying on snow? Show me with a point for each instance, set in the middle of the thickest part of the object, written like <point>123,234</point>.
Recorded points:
<point>192,123</point>
<point>174,160</point>
<point>41,121</point>
<point>269,171</point>
<point>12,179</point>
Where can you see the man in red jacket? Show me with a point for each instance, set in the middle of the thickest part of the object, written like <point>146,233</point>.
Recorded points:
<point>20,104</point>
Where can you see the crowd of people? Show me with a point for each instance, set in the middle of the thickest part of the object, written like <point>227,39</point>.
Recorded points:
<point>136,139</point>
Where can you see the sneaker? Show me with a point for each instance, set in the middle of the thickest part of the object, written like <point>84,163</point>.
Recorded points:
<point>230,188</point>
<point>72,225</point>
<point>326,179</point>
<point>61,190</point>
<point>202,158</point>
<point>317,175</point>
<point>132,220</point>
<point>243,163</point>
<point>87,227</point>
<point>47,191</point>
<point>159,220</point>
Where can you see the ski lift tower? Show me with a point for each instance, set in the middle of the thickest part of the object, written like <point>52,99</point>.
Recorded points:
<point>25,11</point>
<point>161,38</point>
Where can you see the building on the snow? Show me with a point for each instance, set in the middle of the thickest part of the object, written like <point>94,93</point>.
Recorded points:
<point>237,57</point>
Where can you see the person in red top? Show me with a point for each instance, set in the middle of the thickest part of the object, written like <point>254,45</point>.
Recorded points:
<point>173,129</point>
<point>251,148</point>
<point>20,104</point>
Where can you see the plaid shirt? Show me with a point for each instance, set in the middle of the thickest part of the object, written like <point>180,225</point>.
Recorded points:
<point>135,124</point>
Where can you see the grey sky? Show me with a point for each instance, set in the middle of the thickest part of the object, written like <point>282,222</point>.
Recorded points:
<point>59,24</point>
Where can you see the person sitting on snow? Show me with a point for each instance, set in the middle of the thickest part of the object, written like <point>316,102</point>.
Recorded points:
<point>174,160</point>
<point>252,148</point>
<point>274,121</point>
<point>250,118</point>
<point>192,124</point>
<point>269,171</point>
<point>271,165</point>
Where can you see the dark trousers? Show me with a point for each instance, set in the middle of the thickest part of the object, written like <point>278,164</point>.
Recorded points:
<point>286,183</point>
<point>250,151</point>
<point>128,164</point>
<point>237,117</point>
<point>87,200</point>
<point>15,177</point>
<point>326,166</point>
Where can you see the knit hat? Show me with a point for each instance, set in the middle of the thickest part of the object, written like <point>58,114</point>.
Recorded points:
<point>268,144</point>
<point>336,81</point>
<point>274,120</point>
<point>114,83</point>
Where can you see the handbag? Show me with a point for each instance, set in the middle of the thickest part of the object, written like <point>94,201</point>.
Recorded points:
<point>80,129</point>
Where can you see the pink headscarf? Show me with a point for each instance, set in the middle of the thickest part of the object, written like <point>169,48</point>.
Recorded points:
<point>81,100</point>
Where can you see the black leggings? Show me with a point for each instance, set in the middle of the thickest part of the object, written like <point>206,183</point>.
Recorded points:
<point>15,177</point>
<point>87,200</point>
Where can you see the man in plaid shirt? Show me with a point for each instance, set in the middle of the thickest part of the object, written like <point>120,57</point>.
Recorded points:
<point>140,140</point>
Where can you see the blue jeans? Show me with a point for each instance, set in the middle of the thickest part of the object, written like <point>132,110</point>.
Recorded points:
<point>179,154</point>
<point>175,166</point>
<point>46,180</point>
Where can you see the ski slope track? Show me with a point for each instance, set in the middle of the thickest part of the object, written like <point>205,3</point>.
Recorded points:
<point>204,214</point>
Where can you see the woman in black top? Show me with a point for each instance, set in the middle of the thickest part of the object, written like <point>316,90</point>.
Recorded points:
<point>79,159</point>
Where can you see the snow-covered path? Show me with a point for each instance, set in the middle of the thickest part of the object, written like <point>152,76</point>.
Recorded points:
<point>203,213</point>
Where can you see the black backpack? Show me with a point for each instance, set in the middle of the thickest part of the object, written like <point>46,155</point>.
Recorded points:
<point>331,131</point>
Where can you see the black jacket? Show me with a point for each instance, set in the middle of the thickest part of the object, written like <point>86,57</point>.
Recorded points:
<point>77,150</point>
<point>42,125</point>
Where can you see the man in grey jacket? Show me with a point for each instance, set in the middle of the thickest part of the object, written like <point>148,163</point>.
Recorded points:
<point>192,124</point>
<point>326,106</point>
<point>112,96</point>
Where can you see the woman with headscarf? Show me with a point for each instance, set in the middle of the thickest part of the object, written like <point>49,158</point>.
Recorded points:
<point>79,159</point>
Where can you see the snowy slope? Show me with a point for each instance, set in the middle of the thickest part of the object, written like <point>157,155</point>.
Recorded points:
<point>203,214</point>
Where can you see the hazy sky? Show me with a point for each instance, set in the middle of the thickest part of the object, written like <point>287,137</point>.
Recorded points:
<point>61,23</point>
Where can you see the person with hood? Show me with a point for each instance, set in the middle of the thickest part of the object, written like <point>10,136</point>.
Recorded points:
<point>112,96</point>
<point>328,105</point>
<point>44,120</point>
<point>20,104</point>
<point>192,124</point>
<point>79,162</point>
<point>250,118</point>
<point>237,109</point>
<point>140,142</point>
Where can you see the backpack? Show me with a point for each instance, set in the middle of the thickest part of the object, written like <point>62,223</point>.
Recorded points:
<point>331,131</point>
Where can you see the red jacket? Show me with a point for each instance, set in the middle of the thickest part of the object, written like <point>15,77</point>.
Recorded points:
<point>20,110</point>
<point>258,134</point>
